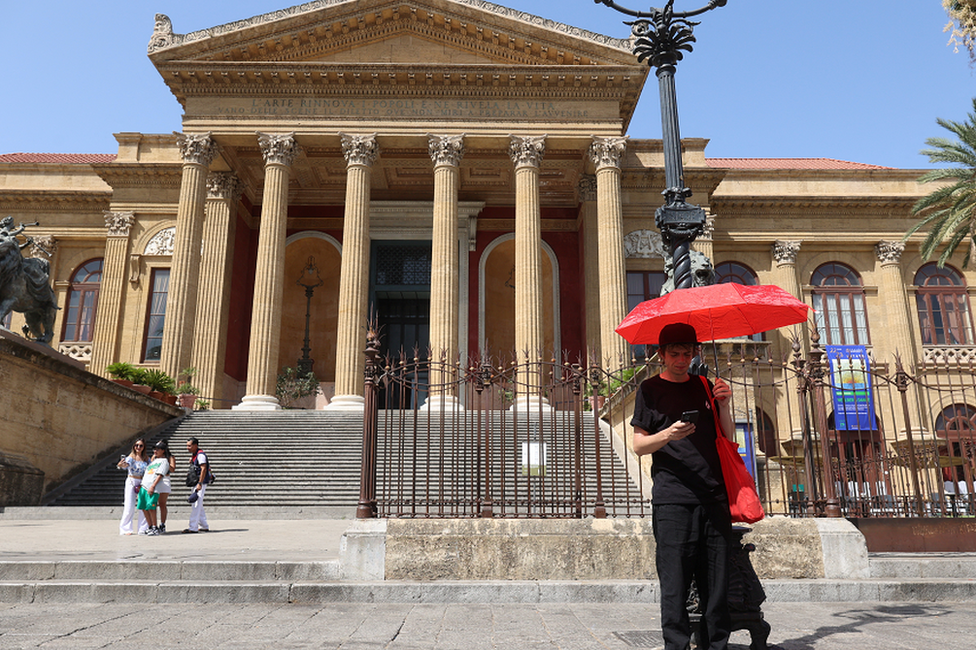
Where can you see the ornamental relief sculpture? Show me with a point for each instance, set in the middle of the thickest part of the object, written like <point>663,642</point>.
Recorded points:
<point>607,152</point>
<point>360,149</point>
<point>644,244</point>
<point>889,252</point>
<point>119,223</point>
<point>197,148</point>
<point>446,149</point>
<point>162,242</point>
<point>278,148</point>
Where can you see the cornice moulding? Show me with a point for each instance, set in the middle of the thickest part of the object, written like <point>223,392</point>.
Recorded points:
<point>169,175</point>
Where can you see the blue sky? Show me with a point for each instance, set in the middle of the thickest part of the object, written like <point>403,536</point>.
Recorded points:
<point>858,80</point>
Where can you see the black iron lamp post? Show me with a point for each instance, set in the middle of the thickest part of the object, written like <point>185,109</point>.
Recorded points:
<point>310,279</point>
<point>662,37</point>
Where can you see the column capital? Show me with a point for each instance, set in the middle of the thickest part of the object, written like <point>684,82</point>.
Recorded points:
<point>278,148</point>
<point>889,252</point>
<point>607,152</point>
<point>446,149</point>
<point>224,185</point>
<point>527,151</point>
<point>586,188</point>
<point>197,148</point>
<point>119,223</point>
<point>359,149</point>
<point>43,246</point>
<point>785,251</point>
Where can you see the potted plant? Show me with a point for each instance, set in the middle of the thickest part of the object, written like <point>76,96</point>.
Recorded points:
<point>122,373</point>
<point>186,391</point>
<point>139,381</point>
<point>159,383</point>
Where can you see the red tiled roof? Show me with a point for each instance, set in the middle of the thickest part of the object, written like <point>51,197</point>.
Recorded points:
<point>58,158</point>
<point>787,163</point>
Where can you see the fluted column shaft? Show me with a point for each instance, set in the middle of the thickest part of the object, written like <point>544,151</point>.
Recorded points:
<point>526,154</point>
<point>360,153</point>
<point>198,151</point>
<point>892,295</point>
<point>446,153</point>
<point>279,151</point>
<point>213,313</point>
<point>606,154</point>
<point>108,316</point>
<point>784,262</point>
<point>591,253</point>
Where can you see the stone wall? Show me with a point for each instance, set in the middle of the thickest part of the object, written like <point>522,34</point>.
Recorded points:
<point>58,418</point>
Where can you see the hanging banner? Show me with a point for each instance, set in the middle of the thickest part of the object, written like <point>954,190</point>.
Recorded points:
<point>851,387</point>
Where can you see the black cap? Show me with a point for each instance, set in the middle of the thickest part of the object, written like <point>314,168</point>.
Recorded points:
<point>161,445</point>
<point>677,333</point>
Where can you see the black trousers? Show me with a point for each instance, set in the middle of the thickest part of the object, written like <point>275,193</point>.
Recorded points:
<point>693,542</point>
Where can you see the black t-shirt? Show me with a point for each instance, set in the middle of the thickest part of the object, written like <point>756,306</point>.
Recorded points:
<point>685,471</point>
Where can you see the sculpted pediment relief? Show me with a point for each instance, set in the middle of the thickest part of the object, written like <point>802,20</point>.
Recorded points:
<point>461,31</point>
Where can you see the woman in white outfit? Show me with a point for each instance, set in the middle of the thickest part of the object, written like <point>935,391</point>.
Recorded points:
<point>135,463</point>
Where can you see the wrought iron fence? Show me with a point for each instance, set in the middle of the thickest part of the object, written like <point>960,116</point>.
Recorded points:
<point>508,438</point>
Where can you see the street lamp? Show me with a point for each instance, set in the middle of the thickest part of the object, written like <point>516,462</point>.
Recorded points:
<point>310,279</point>
<point>662,37</point>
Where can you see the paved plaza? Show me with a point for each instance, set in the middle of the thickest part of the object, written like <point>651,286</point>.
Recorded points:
<point>346,626</point>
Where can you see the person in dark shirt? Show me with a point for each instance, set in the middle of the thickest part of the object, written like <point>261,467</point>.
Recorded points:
<point>691,521</point>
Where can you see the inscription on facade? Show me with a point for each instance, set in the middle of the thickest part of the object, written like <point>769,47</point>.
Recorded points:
<point>405,108</point>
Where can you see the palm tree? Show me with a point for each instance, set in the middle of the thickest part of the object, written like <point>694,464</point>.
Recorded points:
<point>949,212</point>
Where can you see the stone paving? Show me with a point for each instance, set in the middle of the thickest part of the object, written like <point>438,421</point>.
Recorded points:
<point>795,626</point>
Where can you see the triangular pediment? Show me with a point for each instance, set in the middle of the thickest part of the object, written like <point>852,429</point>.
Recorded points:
<point>390,31</point>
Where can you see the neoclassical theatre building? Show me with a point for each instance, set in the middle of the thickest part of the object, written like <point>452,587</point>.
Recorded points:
<point>459,169</point>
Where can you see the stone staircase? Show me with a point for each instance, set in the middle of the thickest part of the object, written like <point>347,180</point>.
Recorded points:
<point>270,459</point>
<point>312,459</point>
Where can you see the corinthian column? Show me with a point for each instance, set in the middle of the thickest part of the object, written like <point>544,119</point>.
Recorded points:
<point>591,253</point>
<point>526,154</point>
<point>279,151</point>
<point>360,152</point>
<point>198,151</point>
<point>446,153</point>
<point>105,338</point>
<point>898,339</point>
<point>605,154</point>
<point>210,341</point>
<point>784,259</point>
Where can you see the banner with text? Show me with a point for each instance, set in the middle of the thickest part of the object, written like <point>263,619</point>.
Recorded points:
<point>851,387</point>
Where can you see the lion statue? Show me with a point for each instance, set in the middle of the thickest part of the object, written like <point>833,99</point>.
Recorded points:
<point>24,285</point>
<point>702,272</point>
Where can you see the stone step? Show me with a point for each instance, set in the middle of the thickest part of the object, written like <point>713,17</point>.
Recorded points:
<point>297,590</point>
<point>922,565</point>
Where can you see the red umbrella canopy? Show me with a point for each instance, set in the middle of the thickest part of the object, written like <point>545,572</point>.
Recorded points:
<point>718,311</point>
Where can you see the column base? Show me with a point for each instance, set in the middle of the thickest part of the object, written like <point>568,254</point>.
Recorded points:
<point>441,403</point>
<point>531,403</point>
<point>258,403</point>
<point>346,403</point>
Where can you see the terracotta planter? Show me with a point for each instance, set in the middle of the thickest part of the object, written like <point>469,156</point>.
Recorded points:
<point>169,399</point>
<point>142,389</point>
<point>187,400</point>
<point>123,382</point>
<point>155,394</point>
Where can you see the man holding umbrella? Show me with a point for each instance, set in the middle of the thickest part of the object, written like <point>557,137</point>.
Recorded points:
<point>674,422</point>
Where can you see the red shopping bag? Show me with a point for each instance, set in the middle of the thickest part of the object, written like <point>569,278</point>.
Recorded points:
<point>744,503</point>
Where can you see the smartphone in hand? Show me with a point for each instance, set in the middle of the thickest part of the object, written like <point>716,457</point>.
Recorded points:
<point>690,416</point>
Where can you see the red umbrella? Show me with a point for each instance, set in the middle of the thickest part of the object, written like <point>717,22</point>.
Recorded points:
<point>717,311</point>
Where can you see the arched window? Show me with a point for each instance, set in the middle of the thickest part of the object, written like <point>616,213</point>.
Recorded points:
<point>943,306</point>
<point>735,272</point>
<point>958,417</point>
<point>79,320</point>
<point>838,301</point>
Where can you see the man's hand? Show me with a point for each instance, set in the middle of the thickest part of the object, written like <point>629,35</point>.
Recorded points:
<point>721,391</point>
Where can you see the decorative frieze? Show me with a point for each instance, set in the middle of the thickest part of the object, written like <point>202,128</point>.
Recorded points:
<point>278,148</point>
<point>162,242</point>
<point>607,152</point>
<point>446,149</point>
<point>119,223</point>
<point>527,151</point>
<point>785,251</point>
<point>644,244</point>
<point>889,252</point>
<point>197,148</point>
<point>359,149</point>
